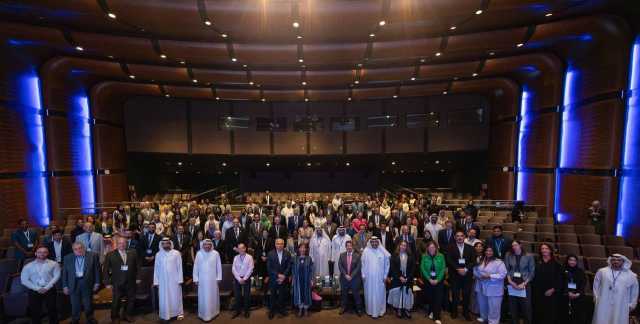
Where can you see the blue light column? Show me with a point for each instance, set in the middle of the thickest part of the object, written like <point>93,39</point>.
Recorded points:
<point>30,107</point>
<point>523,133</point>
<point>81,142</point>
<point>569,136</point>
<point>628,194</point>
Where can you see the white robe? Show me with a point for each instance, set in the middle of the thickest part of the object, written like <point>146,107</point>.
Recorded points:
<point>375,268</point>
<point>167,275</point>
<point>613,303</point>
<point>207,271</point>
<point>337,247</point>
<point>320,252</point>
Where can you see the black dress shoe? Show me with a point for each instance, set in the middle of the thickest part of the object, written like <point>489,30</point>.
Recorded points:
<point>235,314</point>
<point>359,312</point>
<point>246,314</point>
<point>407,314</point>
<point>271,315</point>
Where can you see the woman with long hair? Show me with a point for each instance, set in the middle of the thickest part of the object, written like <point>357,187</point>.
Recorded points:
<point>573,298</point>
<point>401,273</point>
<point>302,277</point>
<point>490,273</point>
<point>432,268</point>
<point>547,286</point>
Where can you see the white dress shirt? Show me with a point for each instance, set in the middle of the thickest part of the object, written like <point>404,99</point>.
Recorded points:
<point>40,274</point>
<point>242,267</point>
<point>57,248</point>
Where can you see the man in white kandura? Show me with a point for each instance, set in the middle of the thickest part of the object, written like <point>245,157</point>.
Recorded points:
<point>167,276</point>
<point>320,252</point>
<point>615,291</point>
<point>338,247</point>
<point>207,272</point>
<point>375,268</point>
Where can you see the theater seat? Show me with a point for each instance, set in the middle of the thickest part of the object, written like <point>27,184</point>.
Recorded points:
<point>545,237</point>
<point>566,229</point>
<point>568,238</point>
<point>585,229</point>
<point>590,239</point>
<point>593,263</point>
<point>614,240</point>
<point>16,300</point>
<point>526,236</point>
<point>510,227</point>
<point>528,227</point>
<point>624,250</point>
<point>593,251</point>
<point>546,228</point>
<point>568,248</point>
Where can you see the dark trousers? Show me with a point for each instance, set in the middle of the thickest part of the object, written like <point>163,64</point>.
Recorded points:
<point>127,290</point>
<point>82,297</point>
<point>242,295</point>
<point>355,286</point>
<point>460,285</point>
<point>35,306</point>
<point>520,307</point>
<point>433,298</point>
<point>278,297</point>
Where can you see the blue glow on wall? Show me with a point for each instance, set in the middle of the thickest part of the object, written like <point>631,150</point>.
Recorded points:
<point>81,143</point>
<point>30,107</point>
<point>523,133</point>
<point>628,201</point>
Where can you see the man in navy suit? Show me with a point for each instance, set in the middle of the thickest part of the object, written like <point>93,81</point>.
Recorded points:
<point>279,270</point>
<point>25,241</point>
<point>446,237</point>
<point>350,278</point>
<point>294,222</point>
<point>407,237</point>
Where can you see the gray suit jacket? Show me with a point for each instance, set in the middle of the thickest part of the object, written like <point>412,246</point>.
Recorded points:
<point>356,275</point>
<point>91,273</point>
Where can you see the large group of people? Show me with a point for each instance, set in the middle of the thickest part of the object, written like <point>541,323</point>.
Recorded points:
<point>403,252</point>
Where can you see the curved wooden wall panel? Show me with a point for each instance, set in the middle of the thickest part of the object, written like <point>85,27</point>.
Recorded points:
<point>541,141</point>
<point>108,147</point>
<point>578,191</point>
<point>502,144</point>
<point>538,189</point>
<point>500,184</point>
<point>13,142</point>
<point>13,202</point>
<point>112,188</point>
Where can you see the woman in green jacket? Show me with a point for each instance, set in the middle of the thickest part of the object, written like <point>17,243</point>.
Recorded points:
<point>432,267</point>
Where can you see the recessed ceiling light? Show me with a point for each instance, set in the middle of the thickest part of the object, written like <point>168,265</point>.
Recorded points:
<point>393,162</point>
<point>349,99</point>
<point>479,12</point>
<point>549,14</point>
<point>207,22</point>
<point>306,99</point>
<point>111,15</point>
<point>110,56</point>
<point>131,76</point>
<point>372,35</point>
<point>183,62</point>
<point>250,82</point>
<point>437,161</point>
<point>474,75</point>
<point>167,95</point>
<point>438,54</point>
<point>359,64</point>
<point>382,23</point>
<point>422,60</point>
<point>263,99</point>
<point>299,37</point>
<point>79,48</point>
<point>233,59</point>
<point>224,35</point>
<point>356,82</point>
<point>217,98</point>
<point>520,45</point>
<point>444,92</point>
<point>244,65</point>
<point>300,60</point>
<point>395,96</point>
<point>162,56</point>
<point>296,24</point>
<point>413,78</point>
<point>347,164</point>
<point>194,81</point>
<point>308,164</point>
<point>268,164</point>
<point>453,27</point>
<point>304,83</point>
<point>224,164</point>
<point>492,53</point>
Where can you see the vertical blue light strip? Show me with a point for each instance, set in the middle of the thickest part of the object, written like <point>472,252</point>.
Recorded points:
<point>569,133</point>
<point>523,133</point>
<point>81,142</point>
<point>628,201</point>
<point>30,106</point>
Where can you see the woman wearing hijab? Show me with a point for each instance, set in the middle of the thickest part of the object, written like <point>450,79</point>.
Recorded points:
<point>547,286</point>
<point>302,274</point>
<point>573,299</point>
<point>401,274</point>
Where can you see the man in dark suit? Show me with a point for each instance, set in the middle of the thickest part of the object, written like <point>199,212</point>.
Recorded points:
<point>132,242</point>
<point>407,237</point>
<point>446,236</point>
<point>277,230</point>
<point>294,222</point>
<point>149,245</point>
<point>246,219</point>
<point>375,219</point>
<point>350,278</point>
<point>80,279</point>
<point>466,223</point>
<point>234,235</point>
<point>460,260</point>
<point>25,241</point>
<point>58,247</point>
<point>121,268</point>
<point>268,199</point>
<point>181,241</point>
<point>499,243</point>
<point>255,229</point>
<point>279,270</point>
<point>386,239</point>
<point>218,245</point>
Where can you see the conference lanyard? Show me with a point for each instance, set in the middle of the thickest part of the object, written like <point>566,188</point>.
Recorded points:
<point>80,264</point>
<point>498,243</point>
<point>150,243</point>
<point>28,236</point>
<point>615,278</point>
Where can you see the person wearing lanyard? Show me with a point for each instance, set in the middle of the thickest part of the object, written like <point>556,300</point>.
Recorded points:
<point>520,271</point>
<point>460,260</point>
<point>615,291</point>
<point>242,269</point>
<point>40,276</point>
<point>432,267</point>
<point>121,267</point>
<point>547,286</point>
<point>149,245</point>
<point>574,302</point>
<point>498,242</point>
<point>24,241</point>
<point>80,279</point>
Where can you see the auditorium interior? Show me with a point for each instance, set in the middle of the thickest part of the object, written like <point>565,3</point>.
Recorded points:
<point>523,114</point>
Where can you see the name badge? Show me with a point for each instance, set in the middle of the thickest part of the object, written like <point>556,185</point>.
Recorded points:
<point>433,274</point>
<point>149,251</point>
<point>572,285</point>
<point>517,275</point>
<point>89,249</point>
<point>30,245</point>
<point>264,254</point>
<point>79,274</point>
<point>461,261</point>
<point>124,267</point>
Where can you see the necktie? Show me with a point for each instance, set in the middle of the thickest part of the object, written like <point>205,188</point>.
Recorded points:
<point>349,263</point>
